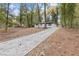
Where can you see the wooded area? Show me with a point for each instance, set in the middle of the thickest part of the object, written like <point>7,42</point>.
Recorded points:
<point>69,15</point>
<point>28,17</point>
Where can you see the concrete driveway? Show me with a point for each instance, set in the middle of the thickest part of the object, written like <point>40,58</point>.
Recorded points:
<point>22,45</point>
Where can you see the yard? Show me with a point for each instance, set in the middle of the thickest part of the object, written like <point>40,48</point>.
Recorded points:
<point>16,32</point>
<point>39,29</point>
<point>64,42</point>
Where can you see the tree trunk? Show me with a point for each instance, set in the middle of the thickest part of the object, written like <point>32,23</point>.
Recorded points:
<point>31,18</point>
<point>6,28</point>
<point>45,15</point>
<point>39,19</point>
<point>64,15</point>
<point>21,14</point>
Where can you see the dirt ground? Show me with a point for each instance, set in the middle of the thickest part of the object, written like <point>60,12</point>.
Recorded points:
<point>16,32</point>
<point>64,42</point>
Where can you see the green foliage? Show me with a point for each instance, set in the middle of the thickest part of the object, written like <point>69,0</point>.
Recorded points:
<point>63,14</point>
<point>30,17</point>
<point>36,15</point>
<point>2,18</point>
<point>67,14</point>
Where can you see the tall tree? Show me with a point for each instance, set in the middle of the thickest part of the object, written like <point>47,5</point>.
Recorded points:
<point>38,9</point>
<point>56,16</point>
<point>27,15</point>
<point>52,13</point>
<point>38,14</point>
<point>7,18</point>
<point>70,13</point>
<point>45,15</point>
<point>2,14</point>
<point>21,13</point>
<point>31,16</point>
<point>63,14</point>
<point>31,20</point>
<point>67,14</point>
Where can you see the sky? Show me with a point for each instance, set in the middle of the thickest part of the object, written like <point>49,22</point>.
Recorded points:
<point>16,6</point>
